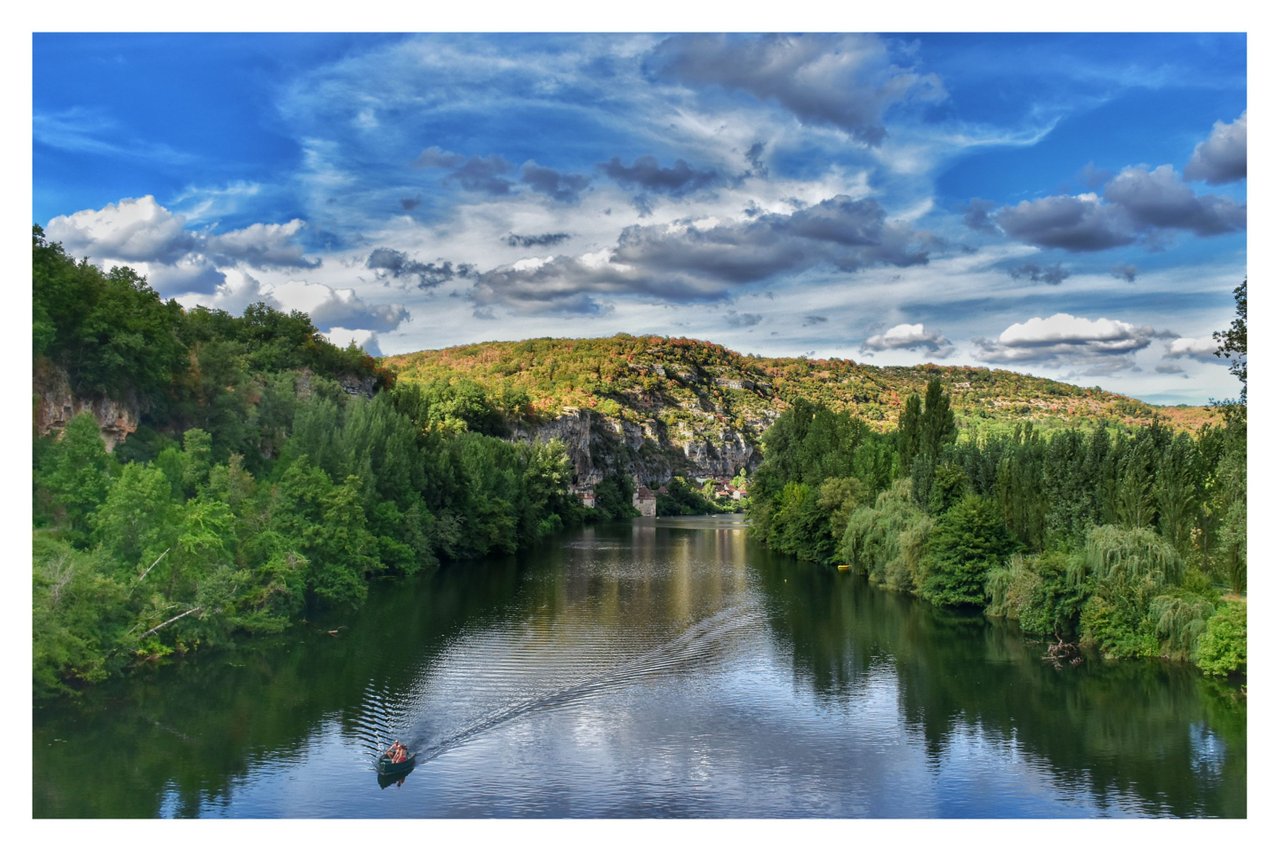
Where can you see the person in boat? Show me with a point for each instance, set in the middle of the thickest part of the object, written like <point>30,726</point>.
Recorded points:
<point>394,751</point>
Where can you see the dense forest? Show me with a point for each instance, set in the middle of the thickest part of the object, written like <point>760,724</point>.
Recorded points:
<point>271,475</point>
<point>1131,541</point>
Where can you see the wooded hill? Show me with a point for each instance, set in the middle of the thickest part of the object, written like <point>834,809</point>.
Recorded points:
<point>698,389</point>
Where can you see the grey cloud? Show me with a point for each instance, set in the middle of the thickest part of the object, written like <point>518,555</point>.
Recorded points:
<point>682,263</point>
<point>368,341</point>
<point>396,264</point>
<point>561,187</point>
<point>1048,274</point>
<point>563,285</point>
<point>437,158</point>
<point>482,175</point>
<point>1170,369</point>
<point>262,246</point>
<point>648,175</point>
<point>1159,199</point>
<point>845,81</point>
<point>978,216</point>
<point>235,297</point>
<point>813,319</point>
<point>1223,157</point>
<point>755,156</point>
<point>344,309</point>
<point>737,320</point>
<point>478,174</point>
<point>191,274</point>
<point>408,204</point>
<point>1094,176</point>
<point>1066,222</point>
<point>1136,204</point>
<point>532,240</point>
<point>1125,272</point>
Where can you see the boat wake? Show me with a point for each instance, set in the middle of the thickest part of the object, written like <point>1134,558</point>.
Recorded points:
<point>692,648</point>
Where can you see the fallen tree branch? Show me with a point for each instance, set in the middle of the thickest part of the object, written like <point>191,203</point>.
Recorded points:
<point>1062,651</point>
<point>144,574</point>
<point>170,621</point>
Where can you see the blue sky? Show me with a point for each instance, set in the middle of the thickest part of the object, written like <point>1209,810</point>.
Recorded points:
<point>1067,205</point>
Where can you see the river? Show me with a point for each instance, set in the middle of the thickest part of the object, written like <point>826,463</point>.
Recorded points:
<point>650,669</point>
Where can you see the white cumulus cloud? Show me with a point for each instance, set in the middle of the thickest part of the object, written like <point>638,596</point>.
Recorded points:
<point>135,229</point>
<point>909,336</point>
<point>1062,340</point>
<point>1200,348</point>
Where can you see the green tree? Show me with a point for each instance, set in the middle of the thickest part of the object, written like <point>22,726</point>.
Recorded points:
<point>909,433</point>
<point>1233,343</point>
<point>937,421</point>
<point>73,476</point>
<point>1128,568</point>
<point>77,609</point>
<point>966,543</point>
<point>136,520</point>
<point>887,540</point>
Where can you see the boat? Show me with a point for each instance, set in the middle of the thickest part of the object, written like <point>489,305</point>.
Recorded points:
<point>842,568</point>
<point>389,768</point>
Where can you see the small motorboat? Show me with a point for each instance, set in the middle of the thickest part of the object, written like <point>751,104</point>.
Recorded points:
<point>842,568</point>
<point>387,766</point>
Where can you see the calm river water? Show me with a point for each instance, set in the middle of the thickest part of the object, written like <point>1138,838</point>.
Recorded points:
<point>651,669</point>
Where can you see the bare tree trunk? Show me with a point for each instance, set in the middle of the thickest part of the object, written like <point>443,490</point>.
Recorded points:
<point>170,621</point>
<point>149,567</point>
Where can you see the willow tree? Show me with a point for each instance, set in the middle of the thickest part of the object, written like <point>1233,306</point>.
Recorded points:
<point>1127,569</point>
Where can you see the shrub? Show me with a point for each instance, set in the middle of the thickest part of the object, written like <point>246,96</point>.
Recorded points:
<point>1223,646</point>
<point>1113,627</point>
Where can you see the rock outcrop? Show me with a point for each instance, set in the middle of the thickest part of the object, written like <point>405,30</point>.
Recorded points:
<point>649,452</point>
<point>54,405</point>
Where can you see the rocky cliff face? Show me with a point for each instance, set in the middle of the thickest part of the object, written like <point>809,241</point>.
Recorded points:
<point>650,451</point>
<point>54,404</point>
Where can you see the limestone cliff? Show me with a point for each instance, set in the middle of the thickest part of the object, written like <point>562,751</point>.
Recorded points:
<point>54,404</point>
<point>650,451</point>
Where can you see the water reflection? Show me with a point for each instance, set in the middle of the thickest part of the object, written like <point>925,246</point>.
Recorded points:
<point>1116,731</point>
<point>664,668</point>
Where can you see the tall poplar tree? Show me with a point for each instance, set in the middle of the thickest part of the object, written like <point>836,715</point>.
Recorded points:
<point>937,422</point>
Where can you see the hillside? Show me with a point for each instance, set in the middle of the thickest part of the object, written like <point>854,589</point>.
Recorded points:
<point>687,406</point>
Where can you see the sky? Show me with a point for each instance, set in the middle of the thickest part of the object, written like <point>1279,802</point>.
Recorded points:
<point>1069,205</point>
